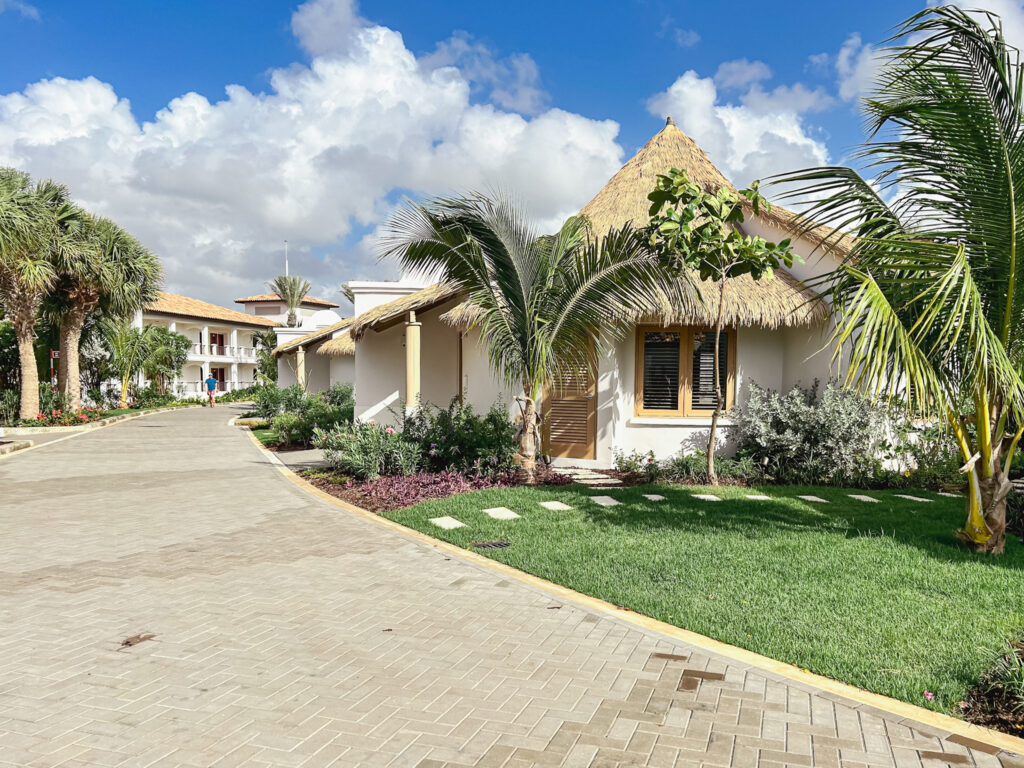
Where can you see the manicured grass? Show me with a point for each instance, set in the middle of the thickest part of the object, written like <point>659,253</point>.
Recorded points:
<point>877,595</point>
<point>266,435</point>
<point>117,412</point>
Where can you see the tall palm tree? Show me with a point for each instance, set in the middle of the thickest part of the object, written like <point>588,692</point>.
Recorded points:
<point>266,365</point>
<point>112,272</point>
<point>31,235</point>
<point>548,307</point>
<point>928,302</point>
<point>292,289</point>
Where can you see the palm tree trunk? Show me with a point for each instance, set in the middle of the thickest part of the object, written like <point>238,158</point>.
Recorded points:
<point>69,380</point>
<point>712,477</point>
<point>991,495</point>
<point>528,439</point>
<point>29,372</point>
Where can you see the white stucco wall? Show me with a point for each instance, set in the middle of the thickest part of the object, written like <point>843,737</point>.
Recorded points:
<point>480,387</point>
<point>318,373</point>
<point>343,370</point>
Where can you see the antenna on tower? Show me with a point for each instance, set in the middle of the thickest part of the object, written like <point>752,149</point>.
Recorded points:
<point>286,258</point>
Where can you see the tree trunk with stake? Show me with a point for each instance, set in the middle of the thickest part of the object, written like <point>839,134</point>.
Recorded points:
<point>528,438</point>
<point>712,477</point>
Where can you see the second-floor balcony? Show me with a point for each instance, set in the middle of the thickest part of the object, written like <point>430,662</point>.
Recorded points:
<point>247,354</point>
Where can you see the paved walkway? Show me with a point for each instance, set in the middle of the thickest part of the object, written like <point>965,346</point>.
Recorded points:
<point>286,632</point>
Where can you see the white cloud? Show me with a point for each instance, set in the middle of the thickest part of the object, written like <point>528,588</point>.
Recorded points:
<point>320,159</point>
<point>763,134</point>
<point>741,73</point>
<point>26,10</point>
<point>326,27</point>
<point>684,38</point>
<point>856,65</point>
<point>512,82</point>
<point>1011,12</point>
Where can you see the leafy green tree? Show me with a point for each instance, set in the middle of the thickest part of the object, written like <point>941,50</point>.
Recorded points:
<point>107,271</point>
<point>927,304</point>
<point>130,348</point>
<point>292,289</point>
<point>166,357</point>
<point>9,367</point>
<point>692,229</point>
<point>31,236</point>
<point>548,307</point>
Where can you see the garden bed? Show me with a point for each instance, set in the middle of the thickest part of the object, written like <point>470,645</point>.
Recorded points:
<point>387,494</point>
<point>875,594</point>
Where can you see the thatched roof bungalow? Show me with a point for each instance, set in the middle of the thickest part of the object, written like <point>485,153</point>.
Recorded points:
<point>655,391</point>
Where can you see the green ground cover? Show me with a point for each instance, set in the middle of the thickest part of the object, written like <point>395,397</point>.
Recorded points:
<point>876,595</point>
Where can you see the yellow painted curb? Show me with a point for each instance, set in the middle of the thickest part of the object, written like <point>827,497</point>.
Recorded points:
<point>859,696</point>
<point>92,429</point>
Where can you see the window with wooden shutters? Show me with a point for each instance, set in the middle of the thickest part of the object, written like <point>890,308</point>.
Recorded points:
<point>702,393</point>
<point>661,370</point>
<point>675,374</point>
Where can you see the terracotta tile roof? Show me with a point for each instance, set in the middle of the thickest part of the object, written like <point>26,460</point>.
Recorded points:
<point>308,301</point>
<point>183,306</point>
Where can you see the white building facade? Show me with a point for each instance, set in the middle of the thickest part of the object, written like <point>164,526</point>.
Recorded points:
<point>223,343</point>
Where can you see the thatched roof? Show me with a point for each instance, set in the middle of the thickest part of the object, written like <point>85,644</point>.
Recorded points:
<point>782,301</point>
<point>341,345</point>
<point>310,338</point>
<point>386,315</point>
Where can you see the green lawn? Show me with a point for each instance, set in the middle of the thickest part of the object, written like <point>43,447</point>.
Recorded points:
<point>266,435</point>
<point>876,595</point>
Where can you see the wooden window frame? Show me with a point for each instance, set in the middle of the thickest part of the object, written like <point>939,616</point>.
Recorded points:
<point>685,409</point>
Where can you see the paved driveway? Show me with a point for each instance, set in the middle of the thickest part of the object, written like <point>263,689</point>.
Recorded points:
<point>289,633</point>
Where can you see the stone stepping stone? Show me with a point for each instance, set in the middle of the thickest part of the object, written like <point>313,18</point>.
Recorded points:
<point>654,497</point>
<point>705,497</point>
<point>758,497</point>
<point>862,497</point>
<point>910,498</point>
<point>447,522</point>
<point>951,495</point>
<point>602,481</point>
<point>501,513</point>
<point>605,501</point>
<point>555,506</point>
<point>815,499</point>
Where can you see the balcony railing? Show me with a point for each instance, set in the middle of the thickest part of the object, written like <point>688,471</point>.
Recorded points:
<point>222,350</point>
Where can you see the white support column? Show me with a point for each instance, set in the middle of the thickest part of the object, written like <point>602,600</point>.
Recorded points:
<point>172,326</point>
<point>300,366</point>
<point>412,364</point>
<point>204,340</point>
<point>234,342</point>
<point>234,377</point>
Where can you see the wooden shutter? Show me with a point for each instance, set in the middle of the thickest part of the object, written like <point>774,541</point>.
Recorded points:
<point>703,380</point>
<point>570,417</point>
<point>661,358</point>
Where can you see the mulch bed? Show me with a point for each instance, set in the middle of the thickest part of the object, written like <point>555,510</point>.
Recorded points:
<point>992,706</point>
<point>386,494</point>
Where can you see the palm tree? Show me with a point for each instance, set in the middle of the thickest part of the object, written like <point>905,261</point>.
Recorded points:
<point>111,272</point>
<point>292,289</point>
<point>927,304</point>
<point>547,307</point>
<point>129,348</point>
<point>30,237</point>
<point>266,365</point>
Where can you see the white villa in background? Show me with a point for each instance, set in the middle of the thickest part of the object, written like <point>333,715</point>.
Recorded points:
<point>414,342</point>
<point>270,307</point>
<point>222,340</point>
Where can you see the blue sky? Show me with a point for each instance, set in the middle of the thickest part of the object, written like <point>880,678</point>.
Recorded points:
<point>546,98</point>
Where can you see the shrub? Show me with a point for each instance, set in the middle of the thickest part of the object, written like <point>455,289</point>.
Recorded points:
<point>268,402</point>
<point>638,464</point>
<point>692,469</point>
<point>803,439</point>
<point>457,439</point>
<point>151,397</point>
<point>238,395</point>
<point>368,451</point>
<point>288,427</point>
<point>10,405</point>
<point>339,395</point>
<point>50,400</point>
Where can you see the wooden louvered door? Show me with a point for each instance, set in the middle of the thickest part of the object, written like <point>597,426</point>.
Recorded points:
<point>570,418</point>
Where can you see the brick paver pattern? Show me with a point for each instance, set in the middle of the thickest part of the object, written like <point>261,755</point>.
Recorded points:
<point>287,632</point>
